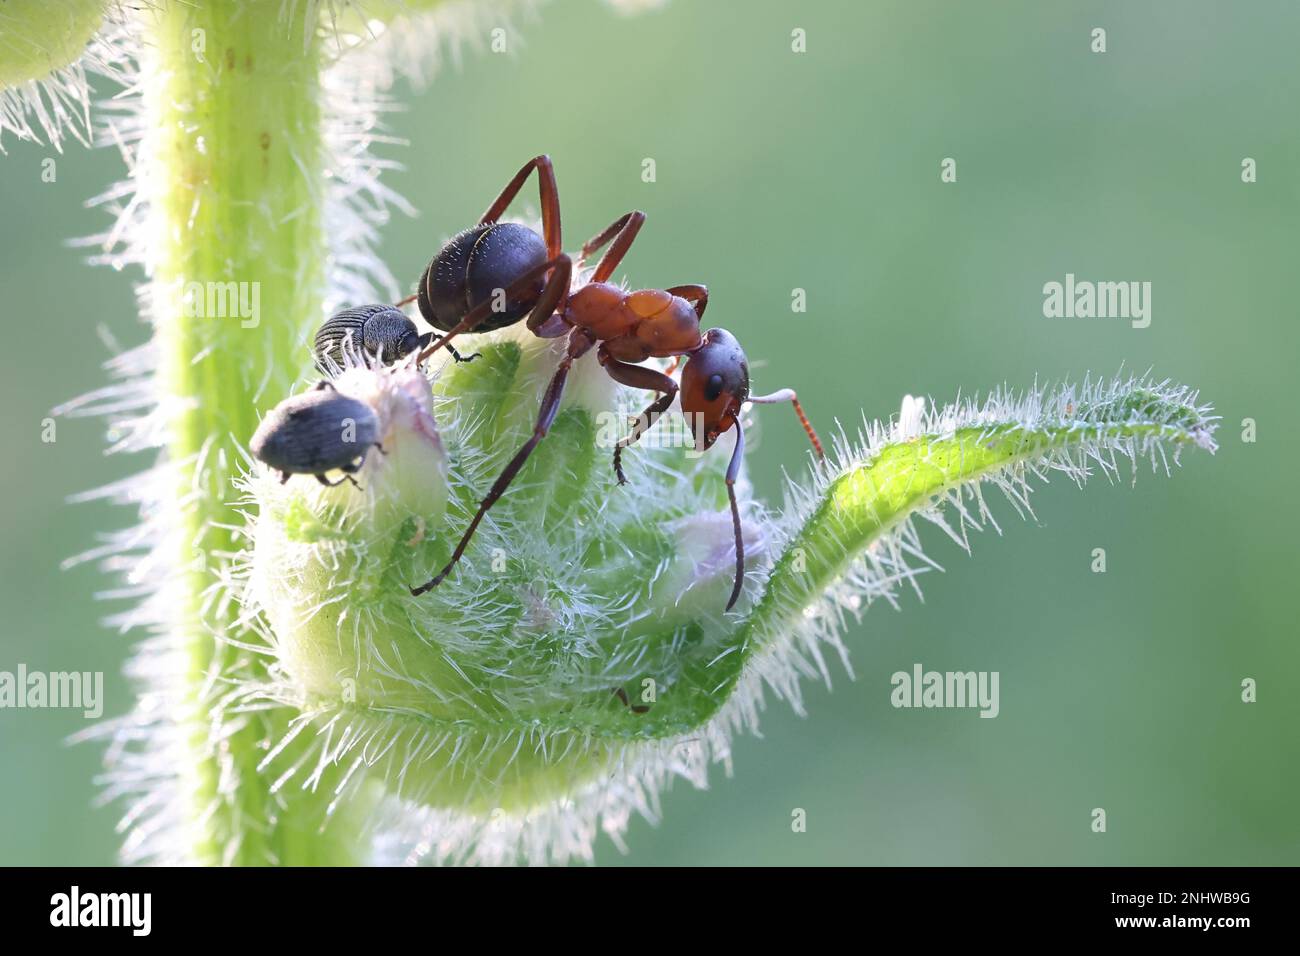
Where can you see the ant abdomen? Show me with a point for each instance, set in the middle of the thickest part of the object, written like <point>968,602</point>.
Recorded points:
<point>476,265</point>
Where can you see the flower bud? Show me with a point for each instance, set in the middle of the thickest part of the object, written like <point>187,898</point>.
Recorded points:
<point>329,562</point>
<point>500,687</point>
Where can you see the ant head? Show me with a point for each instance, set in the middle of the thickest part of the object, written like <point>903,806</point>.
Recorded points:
<point>715,383</point>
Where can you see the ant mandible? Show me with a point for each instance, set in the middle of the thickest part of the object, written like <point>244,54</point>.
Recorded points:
<point>628,327</point>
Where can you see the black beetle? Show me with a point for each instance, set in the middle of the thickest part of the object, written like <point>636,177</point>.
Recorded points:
<point>315,432</point>
<point>382,331</point>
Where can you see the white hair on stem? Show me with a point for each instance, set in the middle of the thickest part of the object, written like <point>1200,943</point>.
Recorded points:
<point>147,749</point>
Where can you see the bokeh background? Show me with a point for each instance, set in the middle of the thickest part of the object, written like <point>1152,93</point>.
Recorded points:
<point>820,170</point>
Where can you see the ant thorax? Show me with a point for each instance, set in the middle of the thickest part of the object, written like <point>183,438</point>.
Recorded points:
<point>635,326</point>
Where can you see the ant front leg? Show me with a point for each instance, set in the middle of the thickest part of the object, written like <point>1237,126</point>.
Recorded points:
<point>623,231</point>
<point>548,193</point>
<point>788,395</point>
<point>638,376</point>
<point>579,343</point>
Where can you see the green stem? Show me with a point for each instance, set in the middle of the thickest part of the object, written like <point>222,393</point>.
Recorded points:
<point>232,174</point>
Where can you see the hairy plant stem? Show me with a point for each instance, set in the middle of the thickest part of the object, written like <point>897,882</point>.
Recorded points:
<point>231,170</point>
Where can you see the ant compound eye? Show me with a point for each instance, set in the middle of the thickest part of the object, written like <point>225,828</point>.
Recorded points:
<point>713,387</point>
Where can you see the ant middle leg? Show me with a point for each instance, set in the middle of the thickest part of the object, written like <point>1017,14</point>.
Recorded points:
<point>623,232</point>
<point>579,343</point>
<point>638,376</point>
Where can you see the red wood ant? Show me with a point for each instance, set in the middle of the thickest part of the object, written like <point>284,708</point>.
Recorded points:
<point>528,277</point>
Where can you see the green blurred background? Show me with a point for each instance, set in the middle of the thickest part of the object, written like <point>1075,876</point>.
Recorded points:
<point>820,170</point>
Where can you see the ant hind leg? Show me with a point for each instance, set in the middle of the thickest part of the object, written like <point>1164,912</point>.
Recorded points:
<point>623,232</point>
<point>579,343</point>
<point>548,193</point>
